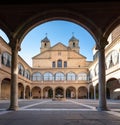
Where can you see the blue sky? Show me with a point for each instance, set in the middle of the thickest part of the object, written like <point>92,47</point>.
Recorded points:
<point>57,31</point>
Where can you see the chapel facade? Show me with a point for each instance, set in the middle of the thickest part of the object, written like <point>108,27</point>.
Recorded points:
<point>61,71</point>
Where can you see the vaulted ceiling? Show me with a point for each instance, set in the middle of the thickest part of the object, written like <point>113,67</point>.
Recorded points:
<point>20,17</point>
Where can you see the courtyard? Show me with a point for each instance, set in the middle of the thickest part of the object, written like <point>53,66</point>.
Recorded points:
<point>65,112</point>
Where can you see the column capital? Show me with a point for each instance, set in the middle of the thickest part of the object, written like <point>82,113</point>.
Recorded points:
<point>14,44</point>
<point>102,42</point>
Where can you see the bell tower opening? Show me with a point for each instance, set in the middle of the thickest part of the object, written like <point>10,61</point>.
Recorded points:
<point>74,44</point>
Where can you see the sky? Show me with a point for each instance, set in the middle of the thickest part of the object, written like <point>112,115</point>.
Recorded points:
<point>56,31</point>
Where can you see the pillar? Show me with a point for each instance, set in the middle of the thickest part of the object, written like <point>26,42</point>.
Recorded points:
<point>65,93</point>
<point>53,93</point>
<point>102,89</point>
<point>0,87</point>
<point>0,79</point>
<point>24,92</point>
<point>77,93</point>
<point>95,92</point>
<point>88,92</point>
<point>41,93</point>
<point>14,76</point>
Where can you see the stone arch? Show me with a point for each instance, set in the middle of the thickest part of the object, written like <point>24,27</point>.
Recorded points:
<point>5,29</point>
<point>60,76</point>
<point>71,76</point>
<point>37,76</point>
<point>111,26</point>
<point>97,91</point>
<point>36,92</point>
<point>48,76</point>
<point>5,88</point>
<point>20,91</point>
<point>60,14</point>
<point>47,92</point>
<point>71,92</point>
<point>59,92</point>
<point>82,92</point>
<point>111,85</point>
<point>91,91</point>
<point>27,92</point>
<point>6,59</point>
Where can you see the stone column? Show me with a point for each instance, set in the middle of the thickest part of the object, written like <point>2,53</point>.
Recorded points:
<point>14,76</point>
<point>53,93</point>
<point>0,87</point>
<point>0,58</point>
<point>77,93</point>
<point>65,93</point>
<point>41,93</point>
<point>24,92</point>
<point>88,92</point>
<point>95,92</point>
<point>102,89</point>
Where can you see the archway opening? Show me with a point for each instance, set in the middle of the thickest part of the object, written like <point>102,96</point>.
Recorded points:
<point>5,88</point>
<point>71,93</point>
<point>59,92</point>
<point>56,31</point>
<point>47,92</point>
<point>20,91</point>
<point>82,92</point>
<point>111,85</point>
<point>36,92</point>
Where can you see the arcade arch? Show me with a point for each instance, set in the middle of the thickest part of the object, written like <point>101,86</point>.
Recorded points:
<point>111,85</point>
<point>27,92</point>
<point>99,33</point>
<point>47,92</point>
<point>36,92</point>
<point>5,88</point>
<point>71,92</point>
<point>82,92</point>
<point>20,91</point>
<point>59,92</point>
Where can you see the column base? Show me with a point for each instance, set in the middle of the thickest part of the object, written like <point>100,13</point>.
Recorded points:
<point>14,108</point>
<point>102,109</point>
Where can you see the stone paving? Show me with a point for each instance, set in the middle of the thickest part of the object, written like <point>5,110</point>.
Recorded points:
<point>69,112</point>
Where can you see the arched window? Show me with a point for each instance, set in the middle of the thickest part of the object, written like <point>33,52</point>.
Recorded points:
<point>6,59</point>
<point>59,76</point>
<point>20,69</point>
<point>112,59</point>
<point>82,76</point>
<point>71,76</point>
<point>45,44</point>
<point>65,63</point>
<point>53,64</point>
<point>73,44</point>
<point>27,74</point>
<point>96,70</point>
<point>36,76</point>
<point>91,74</point>
<point>59,63</point>
<point>48,76</point>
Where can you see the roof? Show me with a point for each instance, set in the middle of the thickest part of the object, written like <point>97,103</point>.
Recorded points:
<point>73,39</point>
<point>46,39</point>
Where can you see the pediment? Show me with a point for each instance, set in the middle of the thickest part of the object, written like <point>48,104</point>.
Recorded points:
<point>44,55</point>
<point>75,55</point>
<point>59,46</point>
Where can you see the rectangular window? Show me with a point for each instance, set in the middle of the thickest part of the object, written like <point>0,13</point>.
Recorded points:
<point>65,64</point>
<point>59,63</point>
<point>53,64</point>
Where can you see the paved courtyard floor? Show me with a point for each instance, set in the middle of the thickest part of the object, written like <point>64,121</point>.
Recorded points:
<point>68,112</point>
